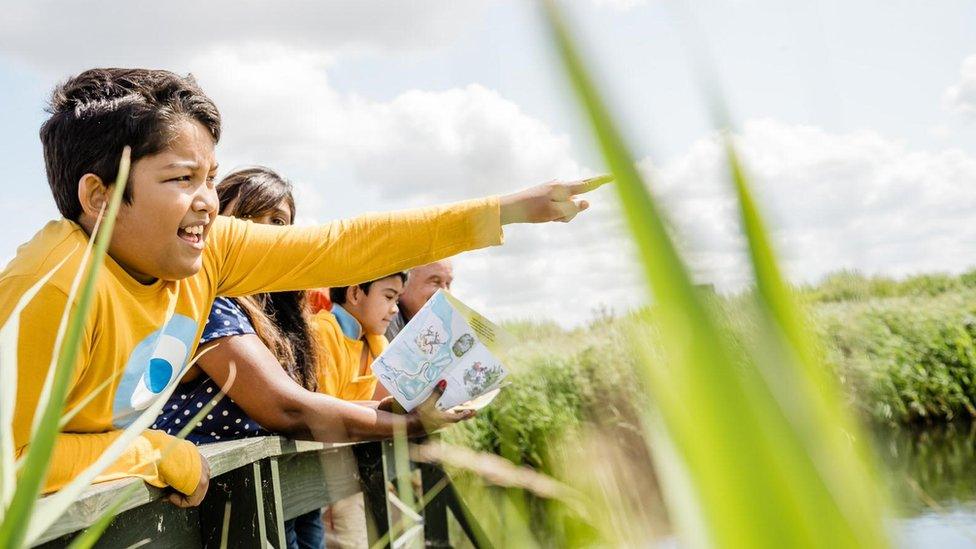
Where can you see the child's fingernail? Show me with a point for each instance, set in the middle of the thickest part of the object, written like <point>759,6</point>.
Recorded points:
<point>441,385</point>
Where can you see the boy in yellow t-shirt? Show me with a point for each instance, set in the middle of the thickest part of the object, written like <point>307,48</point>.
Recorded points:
<point>170,255</point>
<point>352,336</point>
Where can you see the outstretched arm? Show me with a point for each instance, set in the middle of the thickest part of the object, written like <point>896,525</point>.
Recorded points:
<point>250,258</point>
<point>266,393</point>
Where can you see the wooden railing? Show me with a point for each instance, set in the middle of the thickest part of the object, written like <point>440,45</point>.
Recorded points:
<point>258,483</point>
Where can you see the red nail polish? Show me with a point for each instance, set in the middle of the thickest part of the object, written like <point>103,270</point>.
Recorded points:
<point>441,385</point>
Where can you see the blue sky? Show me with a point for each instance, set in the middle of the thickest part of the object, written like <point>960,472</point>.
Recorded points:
<point>857,119</point>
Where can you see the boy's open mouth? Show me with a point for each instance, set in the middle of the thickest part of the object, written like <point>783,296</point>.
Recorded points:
<point>192,235</point>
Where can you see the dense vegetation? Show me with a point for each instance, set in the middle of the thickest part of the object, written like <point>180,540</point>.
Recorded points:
<point>905,349</point>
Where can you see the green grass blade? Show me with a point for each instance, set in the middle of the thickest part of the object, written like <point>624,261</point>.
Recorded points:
<point>831,433</point>
<point>9,334</point>
<point>751,479</point>
<point>13,530</point>
<point>45,394</point>
<point>67,417</point>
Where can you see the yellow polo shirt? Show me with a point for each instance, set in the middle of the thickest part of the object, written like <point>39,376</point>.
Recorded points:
<point>347,354</point>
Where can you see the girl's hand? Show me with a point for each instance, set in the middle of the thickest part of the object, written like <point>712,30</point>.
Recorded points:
<point>428,418</point>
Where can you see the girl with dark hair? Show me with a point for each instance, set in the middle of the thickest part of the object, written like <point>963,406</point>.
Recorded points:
<point>269,340</point>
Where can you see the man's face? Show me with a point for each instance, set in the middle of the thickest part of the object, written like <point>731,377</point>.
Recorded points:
<point>423,283</point>
<point>162,233</point>
<point>375,310</point>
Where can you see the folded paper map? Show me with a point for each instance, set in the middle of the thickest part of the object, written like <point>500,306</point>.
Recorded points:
<point>447,340</point>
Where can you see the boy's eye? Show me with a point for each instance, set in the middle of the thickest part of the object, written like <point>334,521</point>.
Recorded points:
<point>278,221</point>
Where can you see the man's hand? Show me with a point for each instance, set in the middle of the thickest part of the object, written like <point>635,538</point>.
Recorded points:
<point>432,419</point>
<point>553,201</point>
<point>194,499</point>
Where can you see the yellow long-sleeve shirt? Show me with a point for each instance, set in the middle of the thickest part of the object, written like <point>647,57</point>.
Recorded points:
<point>343,372</point>
<point>127,339</point>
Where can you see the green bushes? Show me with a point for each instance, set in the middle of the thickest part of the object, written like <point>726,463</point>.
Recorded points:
<point>905,350</point>
<point>573,407</point>
<point>906,359</point>
<point>561,380</point>
<point>853,286</point>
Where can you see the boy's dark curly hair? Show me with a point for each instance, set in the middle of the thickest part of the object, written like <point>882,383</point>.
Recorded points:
<point>96,114</point>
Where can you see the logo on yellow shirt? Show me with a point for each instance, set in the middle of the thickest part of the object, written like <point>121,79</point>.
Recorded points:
<point>155,362</point>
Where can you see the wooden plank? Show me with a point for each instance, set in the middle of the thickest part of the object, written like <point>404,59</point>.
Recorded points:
<point>222,457</point>
<point>312,480</point>
<point>94,501</point>
<point>162,524</point>
<point>233,454</point>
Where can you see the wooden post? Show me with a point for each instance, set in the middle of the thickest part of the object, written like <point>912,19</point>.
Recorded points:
<point>274,516</point>
<point>433,478</point>
<point>235,506</point>
<point>372,478</point>
<point>436,531</point>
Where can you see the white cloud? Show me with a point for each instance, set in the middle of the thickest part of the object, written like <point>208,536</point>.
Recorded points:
<point>47,33</point>
<point>619,5</point>
<point>856,200</point>
<point>961,97</point>
<point>348,154</point>
<point>835,200</point>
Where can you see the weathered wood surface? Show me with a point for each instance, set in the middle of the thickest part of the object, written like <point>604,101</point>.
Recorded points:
<point>238,508</point>
<point>222,457</point>
<point>257,484</point>
<point>312,480</point>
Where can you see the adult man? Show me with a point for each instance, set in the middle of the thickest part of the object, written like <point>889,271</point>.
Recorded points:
<point>422,283</point>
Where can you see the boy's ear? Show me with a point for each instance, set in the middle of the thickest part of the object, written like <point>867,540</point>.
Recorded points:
<point>353,294</point>
<point>93,195</point>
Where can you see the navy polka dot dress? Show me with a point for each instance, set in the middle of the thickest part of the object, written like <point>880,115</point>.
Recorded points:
<point>226,421</point>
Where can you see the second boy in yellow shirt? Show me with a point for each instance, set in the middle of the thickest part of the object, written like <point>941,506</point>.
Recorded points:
<point>352,336</point>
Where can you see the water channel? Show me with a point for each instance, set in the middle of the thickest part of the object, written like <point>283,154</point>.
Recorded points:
<point>931,474</point>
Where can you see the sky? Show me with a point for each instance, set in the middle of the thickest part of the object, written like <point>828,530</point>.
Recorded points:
<point>856,121</point>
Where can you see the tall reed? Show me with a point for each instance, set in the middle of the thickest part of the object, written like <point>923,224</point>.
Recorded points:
<point>754,444</point>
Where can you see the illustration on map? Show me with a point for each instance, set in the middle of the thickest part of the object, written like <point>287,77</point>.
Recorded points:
<point>481,378</point>
<point>463,345</point>
<point>429,340</point>
<point>437,344</point>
